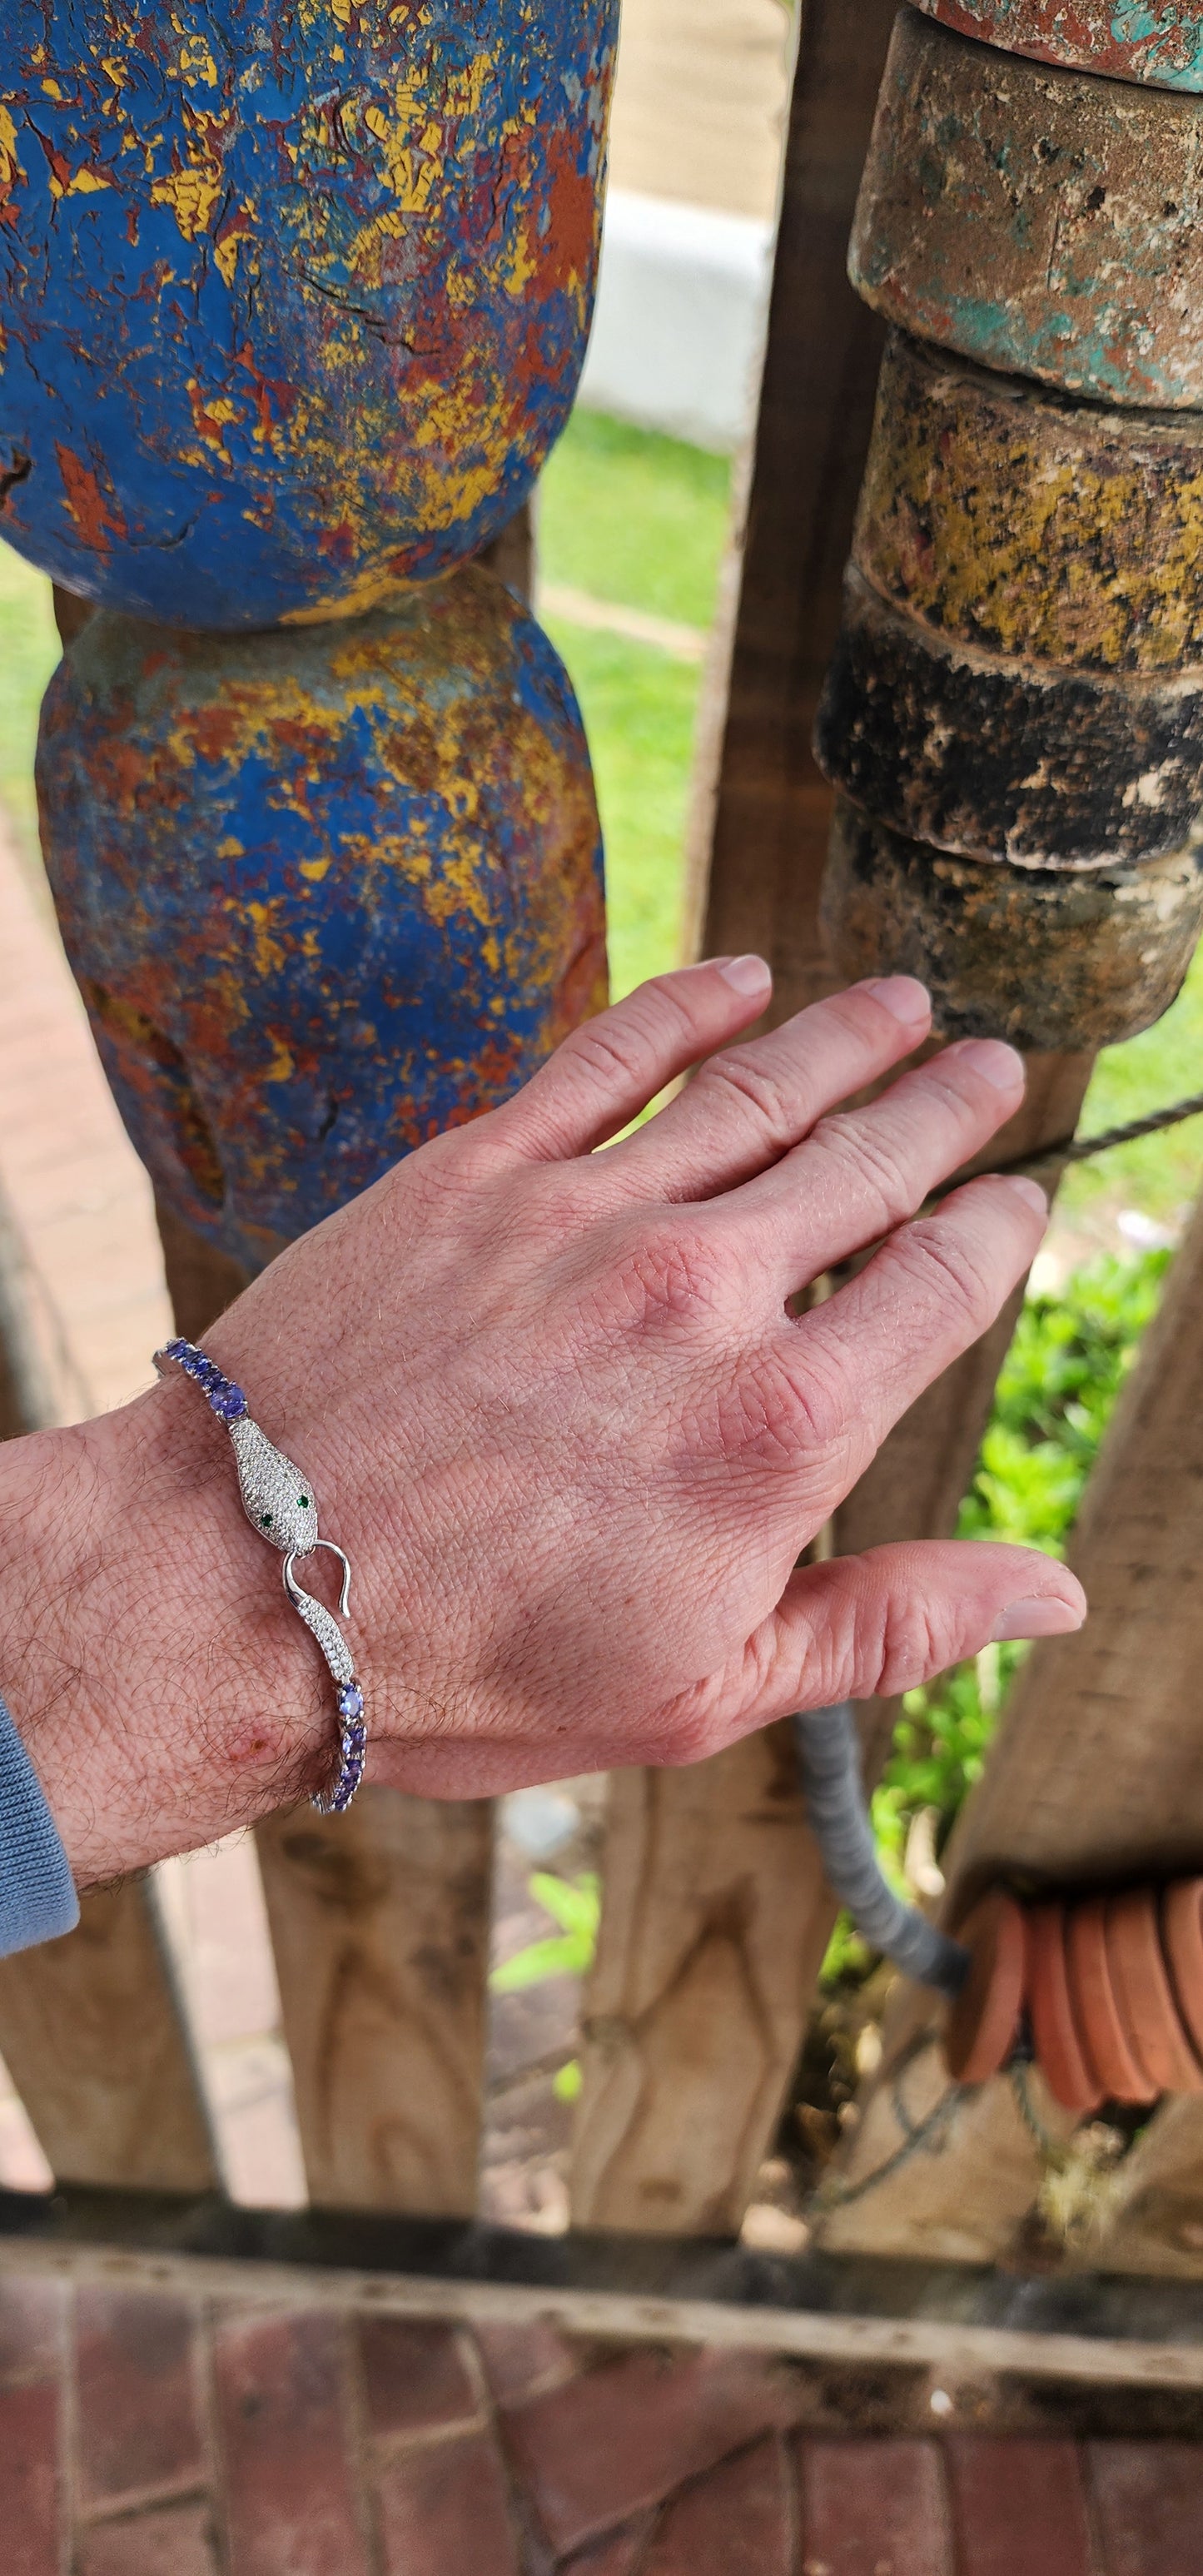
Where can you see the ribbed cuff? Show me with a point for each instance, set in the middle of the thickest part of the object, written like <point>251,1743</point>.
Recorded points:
<point>37,1892</point>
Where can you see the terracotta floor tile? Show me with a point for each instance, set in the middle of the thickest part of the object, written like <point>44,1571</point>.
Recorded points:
<point>175,2540</point>
<point>873,2508</point>
<point>1147,2501</point>
<point>290,2480</point>
<point>29,2508</point>
<point>736,2521</point>
<point>415,2376</point>
<point>624,2436</point>
<point>137,2396</point>
<point>444,2508</point>
<point>1019,2507</point>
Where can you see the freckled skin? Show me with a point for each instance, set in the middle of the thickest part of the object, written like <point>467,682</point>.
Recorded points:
<point>293,302</point>
<point>326,891</point>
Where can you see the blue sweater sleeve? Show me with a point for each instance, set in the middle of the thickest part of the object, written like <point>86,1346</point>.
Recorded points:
<point>37,1891</point>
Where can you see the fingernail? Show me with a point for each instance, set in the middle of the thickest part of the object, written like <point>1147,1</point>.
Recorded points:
<point>1046,1617</point>
<point>1029,1191</point>
<point>903,997</point>
<point>997,1064</point>
<point>746,974</point>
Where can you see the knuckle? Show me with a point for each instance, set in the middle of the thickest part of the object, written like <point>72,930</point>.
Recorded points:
<point>667,1276</point>
<point>906,1647</point>
<point>948,1260</point>
<point>737,1074</point>
<point>789,1406</point>
<point>864,1157</point>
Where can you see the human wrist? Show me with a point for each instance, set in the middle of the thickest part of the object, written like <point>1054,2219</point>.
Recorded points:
<point>148,1659</point>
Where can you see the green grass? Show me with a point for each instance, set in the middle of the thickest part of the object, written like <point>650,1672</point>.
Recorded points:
<point>639,710</point>
<point>1161,1174</point>
<point>29,649</point>
<point>634,518</point>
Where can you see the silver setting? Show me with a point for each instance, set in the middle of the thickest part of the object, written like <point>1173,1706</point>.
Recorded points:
<point>275,1497</point>
<point>280,1504</point>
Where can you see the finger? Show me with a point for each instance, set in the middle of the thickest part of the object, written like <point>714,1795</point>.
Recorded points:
<point>872,1626</point>
<point>750,1104</point>
<point>610,1068</point>
<point>817,1397</point>
<point>864,1171</point>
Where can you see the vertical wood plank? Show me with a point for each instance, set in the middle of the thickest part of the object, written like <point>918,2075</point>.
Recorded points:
<point>380,1927</point>
<point>93,2037</point>
<point>759,843</point>
<point>760,840</point>
<point>700,1992</point>
<point>1095,1776</point>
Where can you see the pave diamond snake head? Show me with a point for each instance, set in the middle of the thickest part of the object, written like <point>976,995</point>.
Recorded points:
<point>275,1497</point>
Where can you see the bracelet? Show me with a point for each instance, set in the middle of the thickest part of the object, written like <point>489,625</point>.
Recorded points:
<point>280,1503</point>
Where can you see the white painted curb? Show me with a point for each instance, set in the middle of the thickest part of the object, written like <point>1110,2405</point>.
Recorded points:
<point>679,323</point>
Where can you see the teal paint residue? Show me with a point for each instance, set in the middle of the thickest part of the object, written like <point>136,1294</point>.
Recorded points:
<point>1173,52</point>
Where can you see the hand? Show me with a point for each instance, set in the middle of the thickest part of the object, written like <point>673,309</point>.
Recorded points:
<point>556,1410</point>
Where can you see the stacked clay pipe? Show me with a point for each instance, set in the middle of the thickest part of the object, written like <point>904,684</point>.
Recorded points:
<point>1013,717</point>
<point>292,307</point>
<point>1105,1991</point>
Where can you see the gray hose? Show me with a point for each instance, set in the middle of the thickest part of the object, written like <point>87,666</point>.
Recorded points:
<point>829,1769</point>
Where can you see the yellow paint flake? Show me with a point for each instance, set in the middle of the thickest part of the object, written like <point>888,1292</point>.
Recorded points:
<point>283,1063</point>
<point>315,869</point>
<point>88,183</point>
<point>10,167</point>
<point>51,89</point>
<point>230,848</point>
<point>270,956</point>
<point>192,195</point>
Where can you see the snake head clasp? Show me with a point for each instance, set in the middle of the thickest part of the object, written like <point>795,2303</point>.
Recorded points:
<point>294,1589</point>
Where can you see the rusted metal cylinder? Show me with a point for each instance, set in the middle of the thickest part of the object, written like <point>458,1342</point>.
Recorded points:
<point>990,756</point>
<point>1038,220</point>
<point>1019,520</point>
<point>326,891</point>
<point>1157,41</point>
<point>1047,959</point>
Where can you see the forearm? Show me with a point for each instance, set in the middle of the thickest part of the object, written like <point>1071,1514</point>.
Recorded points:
<point>162,1685</point>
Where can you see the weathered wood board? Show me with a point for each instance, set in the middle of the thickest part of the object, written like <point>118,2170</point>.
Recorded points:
<point>380,1922</point>
<point>1095,1780</point>
<point>94,2040</point>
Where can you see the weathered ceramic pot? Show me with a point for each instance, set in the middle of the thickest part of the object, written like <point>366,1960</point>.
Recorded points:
<point>292,303</point>
<point>1037,220</point>
<point>1046,958</point>
<point>1017,519</point>
<point>326,891</point>
<point>1160,41</point>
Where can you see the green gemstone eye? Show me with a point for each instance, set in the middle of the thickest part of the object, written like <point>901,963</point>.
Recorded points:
<point>265,1520</point>
<point>304,1501</point>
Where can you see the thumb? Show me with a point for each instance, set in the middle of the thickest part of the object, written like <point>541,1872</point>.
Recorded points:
<point>871,1626</point>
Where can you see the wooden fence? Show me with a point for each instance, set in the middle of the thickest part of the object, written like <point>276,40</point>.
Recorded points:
<point>716,1915</point>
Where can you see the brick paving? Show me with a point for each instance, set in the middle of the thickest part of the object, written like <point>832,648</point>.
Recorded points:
<point>147,2432</point>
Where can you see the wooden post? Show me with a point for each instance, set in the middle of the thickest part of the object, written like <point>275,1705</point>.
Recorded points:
<point>714,1918</point>
<point>1094,1779</point>
<point>656,2031</point>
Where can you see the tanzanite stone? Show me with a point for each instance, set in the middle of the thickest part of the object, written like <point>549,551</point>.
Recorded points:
<point>350,1700</point>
